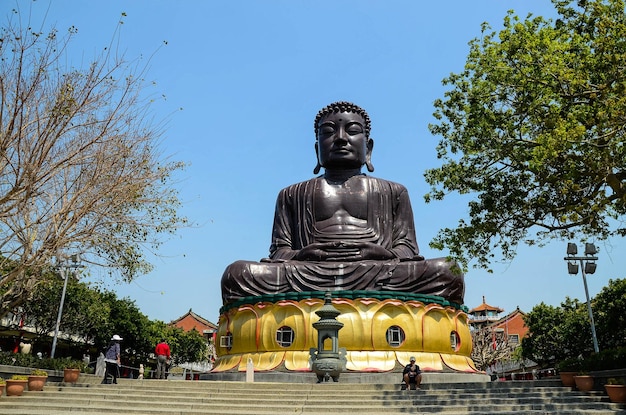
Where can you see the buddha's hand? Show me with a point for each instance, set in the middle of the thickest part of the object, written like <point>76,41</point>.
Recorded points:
<point>369,250</point>
<point>342,251</point>
<point>317,251</point>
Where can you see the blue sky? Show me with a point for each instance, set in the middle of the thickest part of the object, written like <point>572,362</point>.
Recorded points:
<point>250,77</point>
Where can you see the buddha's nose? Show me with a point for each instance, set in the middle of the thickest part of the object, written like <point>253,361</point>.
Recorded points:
<point>340,137</point>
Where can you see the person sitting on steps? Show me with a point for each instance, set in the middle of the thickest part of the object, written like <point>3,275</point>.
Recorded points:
<point>412,376</point>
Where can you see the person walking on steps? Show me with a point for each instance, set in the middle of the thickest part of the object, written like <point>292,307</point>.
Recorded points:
<point>162,352</point>
<point>112,358</point>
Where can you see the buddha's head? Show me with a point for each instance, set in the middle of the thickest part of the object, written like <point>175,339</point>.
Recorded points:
<point>342,137</point>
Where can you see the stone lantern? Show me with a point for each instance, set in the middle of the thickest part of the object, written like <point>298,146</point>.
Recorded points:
<point>328,362</point>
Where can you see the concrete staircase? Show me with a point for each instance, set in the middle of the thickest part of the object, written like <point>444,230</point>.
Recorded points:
<point>224,398</point>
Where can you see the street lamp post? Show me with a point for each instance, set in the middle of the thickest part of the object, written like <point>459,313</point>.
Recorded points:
<point>588,266</point>
<point>64,266</point>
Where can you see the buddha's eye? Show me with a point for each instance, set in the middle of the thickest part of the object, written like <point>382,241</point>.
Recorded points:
<point>354,128</point>
<point>327,129</point>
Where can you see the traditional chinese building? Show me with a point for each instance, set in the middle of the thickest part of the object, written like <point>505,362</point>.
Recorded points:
<point>191,320</point>
<point>509,328</point>
<point>511,325</point>
<point>484,314</point>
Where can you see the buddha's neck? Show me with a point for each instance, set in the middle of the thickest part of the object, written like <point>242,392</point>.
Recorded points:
<point>341,175</point>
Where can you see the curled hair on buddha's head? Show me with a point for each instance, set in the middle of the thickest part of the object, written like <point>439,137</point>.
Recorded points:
<point>343,106</point>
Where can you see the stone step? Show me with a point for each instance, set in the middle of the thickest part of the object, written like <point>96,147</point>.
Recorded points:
<point>365,398</point>
<point>254,412</point>
<point>235,388</point>
<point>252,408</point>
<point>150,397</point>
<point>264,395</point>
<point>515,386</point>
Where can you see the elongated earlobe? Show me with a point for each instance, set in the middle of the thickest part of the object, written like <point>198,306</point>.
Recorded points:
<point>317,168</point>
<point>368,155</point>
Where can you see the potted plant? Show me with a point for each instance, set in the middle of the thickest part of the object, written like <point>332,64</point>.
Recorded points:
<point>584,381</point>
<point>567,369</point>
<point>616,389</point>
<point>2,385</point>
<point>71,370</point>
<point>37,379</point>
<point>16,384</point>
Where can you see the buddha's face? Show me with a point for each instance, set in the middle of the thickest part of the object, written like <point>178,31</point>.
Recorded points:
<point>341,141</point>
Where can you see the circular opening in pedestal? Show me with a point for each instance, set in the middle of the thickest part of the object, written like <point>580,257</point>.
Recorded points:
<point>395,336</point>
<point>284,336</point>
<point>227,341</point>
<point>455,341</point>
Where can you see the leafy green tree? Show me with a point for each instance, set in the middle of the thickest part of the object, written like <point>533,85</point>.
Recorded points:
<point>127,321</point>
<point>544,342</point>
<point>81,169</point>
<point>185,346</point>
<point>557,333</point>
<point>188,346</point>
<point>575,328</point>
<point>141,334</point>
<point>41,311</point>
<point>608,311</point>
<point>533,130</point>
<point>84,315</point>
<point>96,315</point>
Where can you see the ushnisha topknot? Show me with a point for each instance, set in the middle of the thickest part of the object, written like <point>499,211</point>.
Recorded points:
<point>343,106</point>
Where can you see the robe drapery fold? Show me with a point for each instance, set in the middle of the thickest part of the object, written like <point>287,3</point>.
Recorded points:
<point>390,219</point>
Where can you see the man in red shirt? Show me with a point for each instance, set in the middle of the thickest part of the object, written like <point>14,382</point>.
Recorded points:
<point>162,352</point>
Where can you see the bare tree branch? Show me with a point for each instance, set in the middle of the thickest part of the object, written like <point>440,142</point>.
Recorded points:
<point>80,167</point>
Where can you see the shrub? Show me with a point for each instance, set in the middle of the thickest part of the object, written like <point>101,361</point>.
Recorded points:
<point>72,364</point>
<point>27,360</point>
<point>19,377</point>
<point>605,360</point>
<point>572,364</point>
<point>38,372</point>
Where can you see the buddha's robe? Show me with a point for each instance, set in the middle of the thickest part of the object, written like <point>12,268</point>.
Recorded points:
<point>389,224</point>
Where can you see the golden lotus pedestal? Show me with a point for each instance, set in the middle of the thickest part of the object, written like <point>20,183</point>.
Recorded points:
<point>381,331</point>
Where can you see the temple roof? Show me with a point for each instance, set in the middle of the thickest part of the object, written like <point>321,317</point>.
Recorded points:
<point>485,307</point>
<point>188,320</point>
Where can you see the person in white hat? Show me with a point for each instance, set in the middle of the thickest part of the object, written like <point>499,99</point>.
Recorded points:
<point>412,375</point>
<point>112,358</point>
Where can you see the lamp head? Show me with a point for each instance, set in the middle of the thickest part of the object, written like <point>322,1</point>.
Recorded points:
<point>572,249</point>
<point>590,249</point>
<point>590,267</point>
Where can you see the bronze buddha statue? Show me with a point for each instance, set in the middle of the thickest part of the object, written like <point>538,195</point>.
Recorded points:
<point>343,230</point>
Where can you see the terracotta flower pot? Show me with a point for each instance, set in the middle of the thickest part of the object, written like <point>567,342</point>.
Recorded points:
<point>36,383</point>
<point>2,385</point>
<point>15,387</point>
<point>70,375</point>
<point>617,393</point>
<point>584,382</point>
<point>567,378</point>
